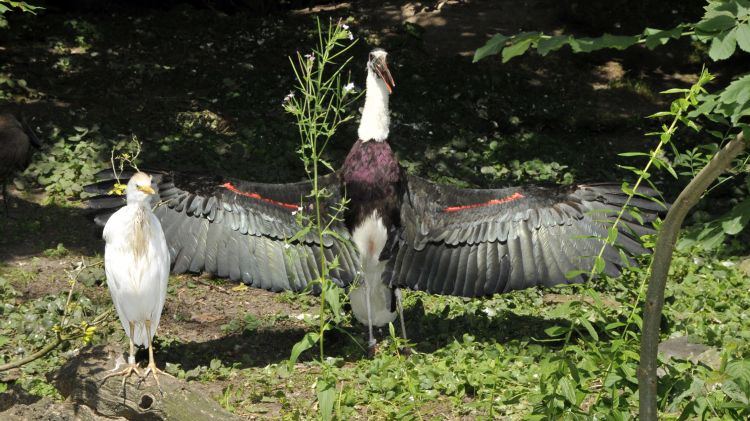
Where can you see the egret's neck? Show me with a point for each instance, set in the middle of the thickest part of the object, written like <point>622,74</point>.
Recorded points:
<point>375,118</point>
<point>137,198</point>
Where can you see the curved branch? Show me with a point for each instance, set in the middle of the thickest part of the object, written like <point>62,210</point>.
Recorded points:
<point>54,344</point>
<point>660,269</point>
<point>29,358</point>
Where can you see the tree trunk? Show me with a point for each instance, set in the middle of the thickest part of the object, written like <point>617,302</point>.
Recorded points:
<point>80,380</point>
<point>647,379</point>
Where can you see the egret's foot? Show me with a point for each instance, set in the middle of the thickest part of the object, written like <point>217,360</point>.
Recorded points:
<point>154,371</point>
<point>125,372</point>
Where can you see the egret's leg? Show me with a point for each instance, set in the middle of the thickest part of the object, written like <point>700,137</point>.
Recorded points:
<point>151,364</point>
<point>372,343</point>
<point>132,366</point>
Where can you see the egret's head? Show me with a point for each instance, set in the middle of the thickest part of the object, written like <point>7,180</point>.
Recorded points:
<point>139,188</point>
<point>378,65</point>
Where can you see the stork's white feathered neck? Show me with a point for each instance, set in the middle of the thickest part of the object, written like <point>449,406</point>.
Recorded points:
<point>375,115</point>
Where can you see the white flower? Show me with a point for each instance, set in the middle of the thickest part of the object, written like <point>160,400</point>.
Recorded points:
<point>286,246</point>
<point>351,36</point>
<point>310,57</point>
<point>345,26</point>
<point>349,87</point>
<point>289,97</point>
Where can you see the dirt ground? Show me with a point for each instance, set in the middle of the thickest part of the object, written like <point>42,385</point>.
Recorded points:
<point>127,87</point>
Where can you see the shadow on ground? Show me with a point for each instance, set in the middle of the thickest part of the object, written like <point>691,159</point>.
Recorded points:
<point>33,228</point>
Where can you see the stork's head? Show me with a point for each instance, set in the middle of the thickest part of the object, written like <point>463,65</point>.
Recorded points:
<point>139,188</point>
<point>378,65</point>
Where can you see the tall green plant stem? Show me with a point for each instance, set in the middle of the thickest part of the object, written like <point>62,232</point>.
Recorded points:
<point>654,303</point>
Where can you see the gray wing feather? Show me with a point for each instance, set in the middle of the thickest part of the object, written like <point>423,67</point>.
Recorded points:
<point>478,242</point>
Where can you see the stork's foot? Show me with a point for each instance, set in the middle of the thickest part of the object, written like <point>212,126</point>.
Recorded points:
<point>406,351</point>
<point>125,373</point>
<point>372,349</point>
<point>151,369</point>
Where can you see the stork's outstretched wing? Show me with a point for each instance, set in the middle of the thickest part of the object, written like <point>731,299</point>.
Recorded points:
<point>237,229</point>
<point>472,242</point>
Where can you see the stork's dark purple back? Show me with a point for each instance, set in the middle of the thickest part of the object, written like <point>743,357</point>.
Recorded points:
<point>372,178</point>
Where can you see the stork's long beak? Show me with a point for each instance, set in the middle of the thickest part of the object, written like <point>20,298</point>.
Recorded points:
<point>146,189</point>
<point>381,68</point>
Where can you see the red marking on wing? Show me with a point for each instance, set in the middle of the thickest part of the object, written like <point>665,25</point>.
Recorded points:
<point>230,187</point>
<point>514,196</point>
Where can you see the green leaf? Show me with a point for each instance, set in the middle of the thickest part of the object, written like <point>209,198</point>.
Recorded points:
<point>629,154</point>
<point>619,42</point>
<point>723,45</point>
<point>586,45</point>
<point>567,389</point>
<point>656,37</point>
<point>743,36</point>
<point>555,331</point>
<point>716,23</point>
<point>583,45</point>
<point>675,91</point>
<point>732,226</point>
<point>310,339</point>
<point>737,92</point>
<point>491,47</point>
<point>326,392</point>
<point>590,329</point>
<point>660,114</point>
<point>612,235</point>
<point>519,46</point>
<point>546,45</point>
<point>574,273</point>
<point>599,264</point>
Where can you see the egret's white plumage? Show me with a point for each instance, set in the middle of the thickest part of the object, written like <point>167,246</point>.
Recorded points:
<point>136,261</point>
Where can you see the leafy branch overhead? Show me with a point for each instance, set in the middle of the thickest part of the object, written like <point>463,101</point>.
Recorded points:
<point>725,25</point>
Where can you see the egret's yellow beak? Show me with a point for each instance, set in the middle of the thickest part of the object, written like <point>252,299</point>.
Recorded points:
<point>146,189</point>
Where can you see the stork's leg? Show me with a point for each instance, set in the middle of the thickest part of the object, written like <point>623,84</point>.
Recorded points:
<point>151,364</point>
<point>372,344</point>
<point>5,198</point>
<point>132,366</point>
<point>400,309</point>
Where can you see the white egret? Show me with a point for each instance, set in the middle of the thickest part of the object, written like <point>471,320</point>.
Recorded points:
<point>136,261</point>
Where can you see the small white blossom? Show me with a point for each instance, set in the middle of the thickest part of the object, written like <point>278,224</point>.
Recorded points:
<point>289,97</point>
<point>349,87</point>
<point>310,57</point>
<point>345,26</point>
<point>350,35</point>
<point>286,246</point>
